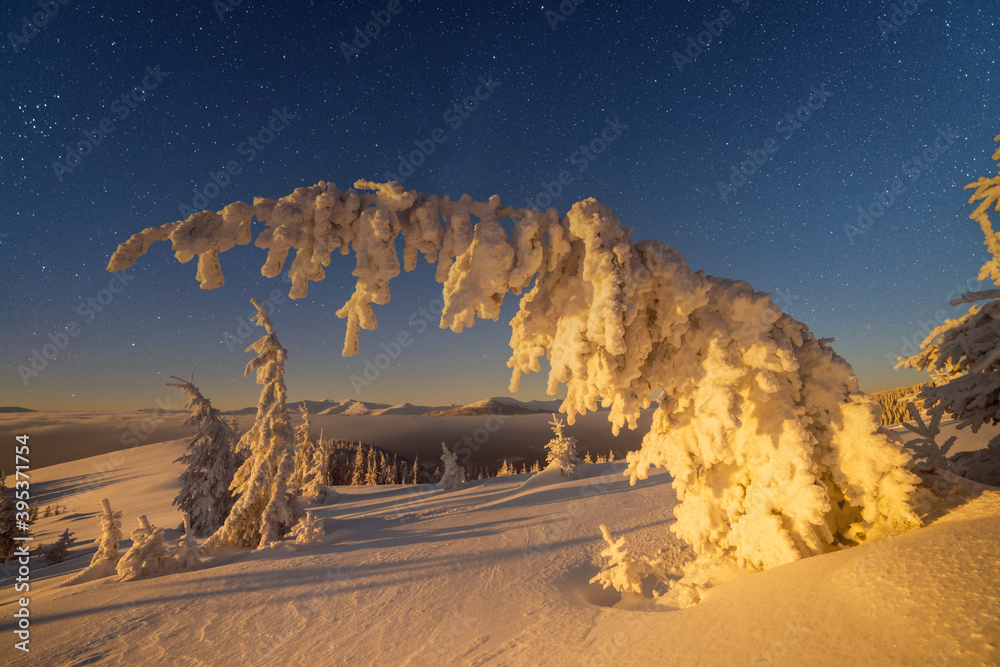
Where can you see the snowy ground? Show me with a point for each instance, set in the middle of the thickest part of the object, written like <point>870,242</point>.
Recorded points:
<point>496,573</point>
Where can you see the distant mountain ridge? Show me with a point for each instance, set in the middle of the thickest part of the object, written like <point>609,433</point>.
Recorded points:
<point>499,405</point>
<point>14,408</point>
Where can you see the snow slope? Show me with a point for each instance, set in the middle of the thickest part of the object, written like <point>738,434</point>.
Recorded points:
<point>497,573</point>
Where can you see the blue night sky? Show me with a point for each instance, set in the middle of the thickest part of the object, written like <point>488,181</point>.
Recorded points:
<point>183,90</point>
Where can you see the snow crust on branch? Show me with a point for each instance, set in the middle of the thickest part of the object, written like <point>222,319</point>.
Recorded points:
<point>775,454</point>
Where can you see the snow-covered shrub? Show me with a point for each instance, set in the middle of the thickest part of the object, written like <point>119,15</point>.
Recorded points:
<point>454,474</point>
<point>309,530</point>
<point>211,463</point>
<point>561,450</point>
<point>264,510</point>
<point>147,555</point>
<point>774,452</point>
<point>963,354</point>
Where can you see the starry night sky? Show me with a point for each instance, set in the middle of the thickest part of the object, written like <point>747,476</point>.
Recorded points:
<point>687,116</point>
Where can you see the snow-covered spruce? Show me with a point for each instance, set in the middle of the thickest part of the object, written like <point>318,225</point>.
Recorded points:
<point>963,354</point>
<point>211,463</point>
<point>264,510</point>
<point>774,451</point>
<point>148,554</point>
<point>561,450</point>
<point>305,451</point>
<point>454,474</point>
<point>309,530</point>
<point>318,488</point>
<point>187,548</point>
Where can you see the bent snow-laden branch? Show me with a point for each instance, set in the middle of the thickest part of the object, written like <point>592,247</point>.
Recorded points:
<point>775,454</point>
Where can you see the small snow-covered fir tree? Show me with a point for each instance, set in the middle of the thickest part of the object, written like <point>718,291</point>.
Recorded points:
<point>147,555</point>
<point>454,474</point>
<point>111,535</point>
<point>305,452</point>
<point>358,468</point>
<point>561,450</point>
<point>105,559</point>
<point>963,354</point>
<point>187,549</point>
<point>211,463</point>
<point>309,530</point>
<point>318,488</point>
<point>59,550</point>
<point>624,573</point>
<point>264,510</point>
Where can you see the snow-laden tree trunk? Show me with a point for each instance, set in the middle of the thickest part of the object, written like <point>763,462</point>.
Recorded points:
<point>264,510</point>
<point>775,453</point>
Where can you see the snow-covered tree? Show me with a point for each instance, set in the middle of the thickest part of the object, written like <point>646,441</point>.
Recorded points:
<point>454,474</point>
<point>58,551</point>
<point>147,555</point>
<point>305,451</point>
<point>211,463</point>
<point>10,527</point>
<point>105,559</point>
<point>264,510</point>
<point>773,450</point>
<point>318,487</point>
<point>963,354</point>
<point>187,549</point>
<point>111,534</point>
<point>309,530</point>
<point>624,572</point>
<point>561,450</point>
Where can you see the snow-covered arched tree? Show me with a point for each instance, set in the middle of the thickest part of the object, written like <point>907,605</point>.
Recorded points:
<point>454,474</point>
<point>963,354</point>
<point>264,510</point>
<point>774,452</point>
<point>561,450</point>
<point>211,463</point>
